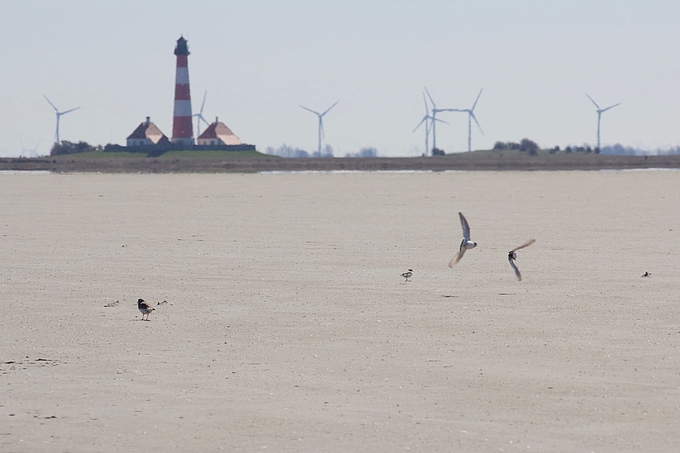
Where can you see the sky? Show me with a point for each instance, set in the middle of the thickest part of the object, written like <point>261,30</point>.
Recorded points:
<point>260,60</point>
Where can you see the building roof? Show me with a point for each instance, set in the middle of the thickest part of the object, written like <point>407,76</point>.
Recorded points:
<point>149,131</point>
<point>221,131</point>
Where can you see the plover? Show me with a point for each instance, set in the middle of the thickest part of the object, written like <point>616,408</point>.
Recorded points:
<point>407,275</point>
<point>145,308</point>
<point>647,274</point>
<point>466,243</point>
<point>512,256</point>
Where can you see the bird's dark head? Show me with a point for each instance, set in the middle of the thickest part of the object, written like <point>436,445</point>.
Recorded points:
<point>140,301</point>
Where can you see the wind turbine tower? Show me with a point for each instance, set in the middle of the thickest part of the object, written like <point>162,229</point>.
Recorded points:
<point>428,120</point>
<point>199,116</point>
<point>433,119</point>
<point>320,115</point>
<point>59,114</point>
<point>599,117</point>
<point>471,116</point>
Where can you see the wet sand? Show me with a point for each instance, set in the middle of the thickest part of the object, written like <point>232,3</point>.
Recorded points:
<point>288,327</point>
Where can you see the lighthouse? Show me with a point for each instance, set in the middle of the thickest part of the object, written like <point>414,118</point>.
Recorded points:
<point>182,130</point>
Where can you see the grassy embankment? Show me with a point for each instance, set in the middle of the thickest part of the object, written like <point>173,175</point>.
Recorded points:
<point>253,161</point>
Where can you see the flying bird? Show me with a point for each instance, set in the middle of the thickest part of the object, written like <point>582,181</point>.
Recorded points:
<point>512,256</point>
<point>145,308</point>
<point>407,275</point>
<point>465,244</point>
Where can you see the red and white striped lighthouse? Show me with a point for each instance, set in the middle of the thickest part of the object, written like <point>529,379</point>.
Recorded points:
<point>182,129</point>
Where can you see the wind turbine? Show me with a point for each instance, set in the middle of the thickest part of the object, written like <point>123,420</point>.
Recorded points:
<point>471,116</point>
<point>434,119</point>
<point>428,120</point>
<point>59,114</point>
<point>320,115</point>
<point>199,116</point>
<point>599,117</point>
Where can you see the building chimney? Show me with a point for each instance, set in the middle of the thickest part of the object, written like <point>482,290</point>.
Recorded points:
<point>148,120</point>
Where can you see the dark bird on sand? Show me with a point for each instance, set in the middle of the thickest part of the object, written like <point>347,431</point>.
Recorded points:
<point>407,275</point>
<point>145,308</point>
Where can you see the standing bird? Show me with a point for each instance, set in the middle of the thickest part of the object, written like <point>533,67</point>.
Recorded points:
<point>145,308</point>
<point>465,244</point>
<point>512,256</point>
<point>407,275</point>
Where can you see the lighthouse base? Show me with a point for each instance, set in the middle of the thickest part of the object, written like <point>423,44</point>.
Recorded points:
<point>183,141</point>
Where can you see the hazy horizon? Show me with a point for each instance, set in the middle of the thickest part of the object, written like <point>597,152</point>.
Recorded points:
<point>260,61</point>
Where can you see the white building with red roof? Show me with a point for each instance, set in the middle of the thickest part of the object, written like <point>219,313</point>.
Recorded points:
<point>218,134</point>
<point>147,134</point>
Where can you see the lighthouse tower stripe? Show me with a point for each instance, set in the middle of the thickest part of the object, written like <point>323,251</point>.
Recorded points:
<point>182,76</point>
<point>182,108</point>
<point>182,93</point>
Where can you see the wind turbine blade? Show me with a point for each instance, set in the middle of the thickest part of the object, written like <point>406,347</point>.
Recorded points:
<point>69,111</point>
<point>429,96</point>
<point>610,107</point>
<point>441,121</point>
<point>205,93</point>
<point>427,107</point>
<point>476,122</point>
<point>421,123</point>
<point>475,104</point>
<point>329,108</point>
<point>309,110</point>
<point>50,102</point>
<point>593,101</point>
<point>200,117</point>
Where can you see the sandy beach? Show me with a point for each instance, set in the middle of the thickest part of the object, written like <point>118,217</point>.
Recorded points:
<point>289,329</point>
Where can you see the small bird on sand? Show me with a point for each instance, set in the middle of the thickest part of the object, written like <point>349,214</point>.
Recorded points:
<point>145,308</point>
<point>647,274</point>
<point>407,275</point>
<point>466,243</point>
<point>512,256</point>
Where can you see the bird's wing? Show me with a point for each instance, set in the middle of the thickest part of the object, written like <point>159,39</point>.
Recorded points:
<point>459,255</point>
<point>526,244</point>
<point>466,227</point>
<point>514,266</point>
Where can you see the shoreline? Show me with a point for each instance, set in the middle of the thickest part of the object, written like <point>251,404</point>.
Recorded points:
<point>465,161</point>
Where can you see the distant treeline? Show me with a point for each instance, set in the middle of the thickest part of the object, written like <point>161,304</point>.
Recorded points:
<point>327,152</point>
<point>525,145</point>
<point>66,147</point>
